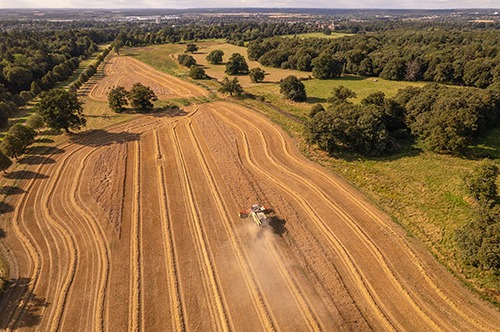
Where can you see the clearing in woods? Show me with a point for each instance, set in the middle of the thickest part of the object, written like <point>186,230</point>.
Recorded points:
<point>136,228</point>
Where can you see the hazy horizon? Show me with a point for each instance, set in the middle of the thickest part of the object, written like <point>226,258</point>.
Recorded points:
<point>219,4</point>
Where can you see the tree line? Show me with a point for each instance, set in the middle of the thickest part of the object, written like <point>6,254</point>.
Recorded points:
<point>468,58</point>
<point>440,118</point>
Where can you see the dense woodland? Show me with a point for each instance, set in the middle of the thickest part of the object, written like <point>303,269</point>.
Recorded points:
<point>470,58</point>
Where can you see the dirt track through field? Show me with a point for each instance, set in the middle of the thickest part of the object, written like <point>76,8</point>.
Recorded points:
<point>170,253</point>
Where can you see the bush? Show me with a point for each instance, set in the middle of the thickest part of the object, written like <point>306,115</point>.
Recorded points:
<point>186,60</point>
<point>215,57</point>
<point>197,73</point>
<point>315,109</point>
<point>256,75</point>
<point>481,182</point>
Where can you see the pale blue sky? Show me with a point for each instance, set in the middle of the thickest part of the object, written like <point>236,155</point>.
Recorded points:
<point>404,4</point>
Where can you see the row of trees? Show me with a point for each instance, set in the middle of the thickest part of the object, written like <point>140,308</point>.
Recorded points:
<point>460,57</point>
<point>441,118</point>
<point>90,71</point>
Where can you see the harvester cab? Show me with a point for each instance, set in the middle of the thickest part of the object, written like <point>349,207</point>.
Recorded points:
<point>257,213</point>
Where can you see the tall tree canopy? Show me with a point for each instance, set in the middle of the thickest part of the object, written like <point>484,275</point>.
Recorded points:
<point>61,109</point>
<point>141,98</point>
<point>236,65</point>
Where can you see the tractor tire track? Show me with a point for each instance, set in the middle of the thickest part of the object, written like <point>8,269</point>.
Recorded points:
<point>423,309</point>
<point>258,297</point>
<point>218,308</point>
<point>347,259</point>
<point>176,307</point>
<point>135,301</point>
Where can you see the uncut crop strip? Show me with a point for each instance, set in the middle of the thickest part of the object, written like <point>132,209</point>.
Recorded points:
<point>258,297</point>
<point>217,309</point>
<point>363,207</point>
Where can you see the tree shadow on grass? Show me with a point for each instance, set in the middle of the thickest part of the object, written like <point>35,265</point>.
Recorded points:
<point>31,313</point>
<point>11,190</point>
<point>99,137</point>
<point>168,111</point>
<point>24,175</point>
<point>315,100</point>
<point>36,160</point>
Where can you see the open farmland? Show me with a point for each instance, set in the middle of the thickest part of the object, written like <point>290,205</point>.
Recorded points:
<point>136,228</point>
<point>126,71</point>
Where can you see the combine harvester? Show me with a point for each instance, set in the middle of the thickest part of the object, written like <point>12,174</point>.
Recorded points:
<point>258,214</point>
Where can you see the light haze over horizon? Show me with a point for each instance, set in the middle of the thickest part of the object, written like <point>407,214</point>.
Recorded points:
<point>186,4</point>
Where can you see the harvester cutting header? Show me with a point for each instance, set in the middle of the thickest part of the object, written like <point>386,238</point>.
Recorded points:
<point>258,214</point>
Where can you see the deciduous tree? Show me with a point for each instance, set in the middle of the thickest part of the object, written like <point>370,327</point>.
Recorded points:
<point>61,109</point>
<point>141,98</point>
<point>5,162</point>
<point>215,57</point>
<point>117,99</point>
<point>256,75</point>
<point>292,88</point>
<point>191,48</point>
<point>197,73</point>
<point>236,65</point>
<point>232,87</point>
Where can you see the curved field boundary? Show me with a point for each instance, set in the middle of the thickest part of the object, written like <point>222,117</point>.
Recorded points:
<point>220,315</point>
<point>126,71</point>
